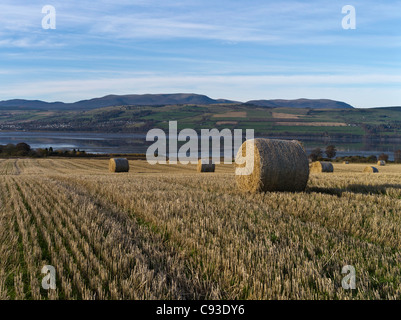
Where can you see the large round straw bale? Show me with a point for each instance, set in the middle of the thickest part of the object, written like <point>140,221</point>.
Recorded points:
<point>206,165</point>
<point>279,165</point>
<point>381,163</point>
<point>371,169</point>
<point>320,166</point>
<point>118,165</point>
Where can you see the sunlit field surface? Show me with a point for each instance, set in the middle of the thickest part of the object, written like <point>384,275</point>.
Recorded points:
<point>168,232</point>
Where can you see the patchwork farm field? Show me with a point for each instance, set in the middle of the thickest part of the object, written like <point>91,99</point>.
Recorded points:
<point>168,232</point>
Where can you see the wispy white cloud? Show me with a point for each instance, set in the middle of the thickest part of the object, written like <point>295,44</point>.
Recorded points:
<point>29,43</point>
<point>289,22</point>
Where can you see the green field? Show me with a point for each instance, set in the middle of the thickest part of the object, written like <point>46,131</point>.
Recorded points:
<point>379,122</point>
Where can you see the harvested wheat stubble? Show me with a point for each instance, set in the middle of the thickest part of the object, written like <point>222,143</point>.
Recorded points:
<point>118,165</point>
<point>371,169</point>
<point>279,165</point>
<point>319,166</point>
<point>205,165</point>
<point>381,163</point>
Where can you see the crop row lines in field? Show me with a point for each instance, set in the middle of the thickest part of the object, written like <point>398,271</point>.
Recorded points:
<point>109,253</point>
<point>93,164</point>
<point>55,166</point>
<point>154,256</point>
<point>209,267</point>
<point>26,276</point>
<point>7,167</point>
<point>188,225</point>
<point>88,238</point>
<point>362,217</point>
<point>8,244</point>
<point>50,166</point>
<point>77,165</point>
<point>52,245</point>
<point>69,241</point>
<point>161,235</point>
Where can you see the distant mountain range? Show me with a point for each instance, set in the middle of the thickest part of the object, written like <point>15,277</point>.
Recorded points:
<point>302,103</point>
<point>163,99</point>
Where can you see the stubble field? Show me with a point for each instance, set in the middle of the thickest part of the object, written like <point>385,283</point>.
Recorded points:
<point>168,232</point>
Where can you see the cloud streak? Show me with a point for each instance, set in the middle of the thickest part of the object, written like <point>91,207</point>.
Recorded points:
<point>251,21</point>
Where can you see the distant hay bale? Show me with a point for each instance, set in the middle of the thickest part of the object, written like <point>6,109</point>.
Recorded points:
<point>279,165</point>
<point>371,169</point>
<point>381,163</point>
<point>320,166</point>
<point>118,165</point>
<point>345,162</point>
<point>205,165</point>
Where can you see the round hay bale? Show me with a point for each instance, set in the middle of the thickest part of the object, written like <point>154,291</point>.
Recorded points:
<point>345,162</point>
<point>205,165</point>
<point>320,166</point>
<point>279,165</point>
<point>371,169</point>
<point>118,165</point>
<point>381,163</point>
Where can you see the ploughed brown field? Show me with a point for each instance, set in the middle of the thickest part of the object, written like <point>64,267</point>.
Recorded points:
<point>168,232</point>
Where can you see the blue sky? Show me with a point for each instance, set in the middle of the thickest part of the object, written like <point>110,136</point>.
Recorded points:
<point>239,50</point>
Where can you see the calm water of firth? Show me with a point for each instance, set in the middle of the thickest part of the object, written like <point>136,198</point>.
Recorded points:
<point>136,143</point>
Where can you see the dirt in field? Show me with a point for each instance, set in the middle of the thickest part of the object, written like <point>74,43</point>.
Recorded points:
<point>219,123</point>
<point>285,115</point>
<point>313,124</point>
<point>231,114</point>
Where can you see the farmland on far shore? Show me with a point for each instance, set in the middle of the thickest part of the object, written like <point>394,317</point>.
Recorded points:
<point>280,121</point>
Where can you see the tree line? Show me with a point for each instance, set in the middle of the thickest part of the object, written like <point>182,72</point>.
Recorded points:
<point>24,150</point>
<point>317,154</point>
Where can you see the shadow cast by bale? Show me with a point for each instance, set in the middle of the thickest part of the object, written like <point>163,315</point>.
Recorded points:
<point>331,191</point>
<point>355,188</point>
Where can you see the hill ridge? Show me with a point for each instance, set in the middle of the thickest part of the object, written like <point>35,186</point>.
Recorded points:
<point>165,99</point>
<point>302,103</point>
